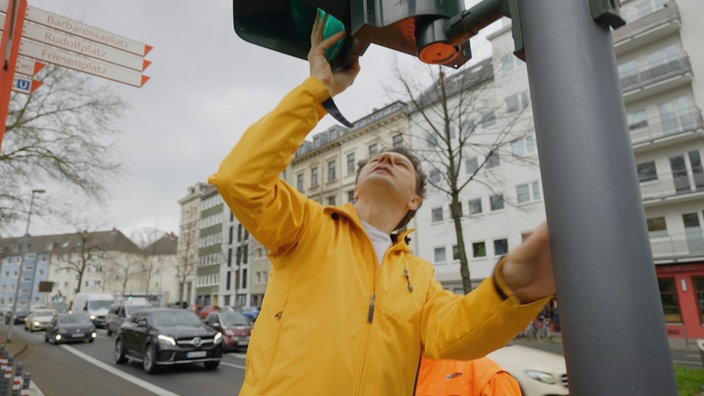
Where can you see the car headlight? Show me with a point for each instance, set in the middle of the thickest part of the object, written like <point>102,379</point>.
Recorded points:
<point>541,376</point>
<point>166,339</point>
<point>217,339</point>
<point>36,323</point>
<point>92,317</point>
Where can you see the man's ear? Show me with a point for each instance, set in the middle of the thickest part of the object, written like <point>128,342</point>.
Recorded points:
<point>415,202</point>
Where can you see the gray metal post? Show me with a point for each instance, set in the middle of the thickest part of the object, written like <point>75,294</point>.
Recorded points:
<point>610,310</point>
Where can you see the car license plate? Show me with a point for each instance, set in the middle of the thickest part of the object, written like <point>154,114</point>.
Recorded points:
<point>196,354</point>
<point>77,335</point>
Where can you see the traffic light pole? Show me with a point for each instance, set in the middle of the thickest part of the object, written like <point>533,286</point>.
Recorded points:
<point>610,310</point>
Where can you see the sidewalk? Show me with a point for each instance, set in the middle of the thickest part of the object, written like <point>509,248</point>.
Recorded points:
<point>17,347</point>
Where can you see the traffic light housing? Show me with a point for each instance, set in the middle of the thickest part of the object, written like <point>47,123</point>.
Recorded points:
<point>415,27</point>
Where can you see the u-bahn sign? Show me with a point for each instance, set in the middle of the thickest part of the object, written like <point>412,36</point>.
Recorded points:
<point>40,35</point>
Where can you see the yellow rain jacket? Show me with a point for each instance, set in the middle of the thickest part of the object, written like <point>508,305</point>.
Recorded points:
<point>334,321</point>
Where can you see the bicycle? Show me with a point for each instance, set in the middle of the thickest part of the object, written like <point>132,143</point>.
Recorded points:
<point>538,329</point>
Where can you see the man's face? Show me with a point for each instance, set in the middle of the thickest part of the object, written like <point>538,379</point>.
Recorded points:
<point>389,173</point>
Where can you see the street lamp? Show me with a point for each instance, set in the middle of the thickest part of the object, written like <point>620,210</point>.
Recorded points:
<point>25,250</point>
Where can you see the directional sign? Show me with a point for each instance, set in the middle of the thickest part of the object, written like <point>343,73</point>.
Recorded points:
<point>74,27</point>
<point>25,85</point>
<point>81,63</point>
<point>81,46</point>
<point>27,66</point>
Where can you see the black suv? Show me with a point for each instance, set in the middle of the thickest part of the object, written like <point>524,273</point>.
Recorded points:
<point>166,336</point>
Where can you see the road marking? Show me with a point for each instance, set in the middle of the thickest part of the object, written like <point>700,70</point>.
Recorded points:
<point>139,382</point>
<point>232,365</point>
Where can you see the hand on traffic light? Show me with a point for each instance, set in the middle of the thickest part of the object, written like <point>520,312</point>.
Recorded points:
<point>336,81</point>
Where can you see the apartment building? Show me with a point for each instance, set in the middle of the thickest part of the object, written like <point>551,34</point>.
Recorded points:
<point>100,261</point>
<point>187,249</point>
<point>211,255</point>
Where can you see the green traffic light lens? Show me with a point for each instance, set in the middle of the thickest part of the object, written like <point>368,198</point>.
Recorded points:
<point>303,17</point>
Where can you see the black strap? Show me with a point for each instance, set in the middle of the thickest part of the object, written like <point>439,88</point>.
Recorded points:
<point>332,109</point>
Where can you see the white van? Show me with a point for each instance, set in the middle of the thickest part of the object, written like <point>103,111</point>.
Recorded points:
<point>95,304</point>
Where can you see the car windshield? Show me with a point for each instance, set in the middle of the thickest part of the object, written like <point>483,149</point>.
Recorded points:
<point>73,318</point>
<point>233,319</point>
<point>43,314</point>
<point>130,309</point>
<point>174,318</point>
<point>99,304</point>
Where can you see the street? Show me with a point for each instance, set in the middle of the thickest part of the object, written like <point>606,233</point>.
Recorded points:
<point>87,369</point>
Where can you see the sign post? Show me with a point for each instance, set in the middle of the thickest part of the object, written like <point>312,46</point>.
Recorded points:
<point>613,331</point>
<point>8,55</point>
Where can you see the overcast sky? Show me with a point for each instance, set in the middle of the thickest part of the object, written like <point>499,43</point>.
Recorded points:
<point>207,85</point>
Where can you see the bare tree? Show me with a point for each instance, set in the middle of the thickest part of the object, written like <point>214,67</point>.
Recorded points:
<point>61,133</point>
<point>123,268</point>
<point>186,266</point>
<point>150,264</point>
<point>83,252</point>
<point>447,130</point>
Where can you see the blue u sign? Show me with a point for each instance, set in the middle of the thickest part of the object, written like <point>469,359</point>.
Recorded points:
<point>22,84</point>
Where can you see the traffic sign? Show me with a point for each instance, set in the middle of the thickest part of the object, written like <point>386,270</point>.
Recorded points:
<point>74,27</point>
<point>81,63</point>
<point>81,46</point>
<point>25,85</point>
<point>27,66</point>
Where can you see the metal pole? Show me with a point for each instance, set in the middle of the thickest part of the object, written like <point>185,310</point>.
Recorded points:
<point>610,310</point>
<point>25,250</point>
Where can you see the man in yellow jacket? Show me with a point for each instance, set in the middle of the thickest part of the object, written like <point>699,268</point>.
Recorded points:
<point>347,308</point>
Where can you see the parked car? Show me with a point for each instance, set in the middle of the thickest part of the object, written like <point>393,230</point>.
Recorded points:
<point>537,372</point>
<point>21,313</point>
<point>70,327</point>
<point>38,319</point>
<point>206,310</point>
<point>167,336</point>
<point>59,307</point>
<point>250,312</point>
<point>234,327</point>
<point>121,311</point>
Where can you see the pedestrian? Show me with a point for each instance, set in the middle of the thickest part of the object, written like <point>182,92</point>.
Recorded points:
<point>348,308</point>
<point>478,377</point>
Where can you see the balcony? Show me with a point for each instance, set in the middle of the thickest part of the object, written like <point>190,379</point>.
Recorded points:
<point>642,29</point>
<point>666,129</point>
<point>671,188</point>
<point>688,246</point>
<point>649,80</point>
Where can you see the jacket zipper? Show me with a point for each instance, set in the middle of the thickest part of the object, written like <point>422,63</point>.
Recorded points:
<point>370,313</point>
<point>408,280</point>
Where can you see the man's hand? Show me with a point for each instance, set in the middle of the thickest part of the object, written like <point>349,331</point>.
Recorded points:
<point>527,270</point>
<point>319,65</point>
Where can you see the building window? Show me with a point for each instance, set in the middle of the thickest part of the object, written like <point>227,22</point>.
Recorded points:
<point>479,249</point>
<point>314,177</point>
<point>436,214</point>
<point>488,120</point>
<point>496,202</point>
<point>647,171</point>
<point>657,228</point>
<point>523,146</point>
<point>528,192</point>
<point>471,165</point>
<point>698,282</point>
<point>637,120</point>
<point>670,303</point>
<point>351,165</point>
<point>331,200</point>
<point>500,247</point>
<point>475,206</point>
<point>676,115</point>
<point>493,160</point>
<point>517,102</point>
<point>331,171</point>
<point>244,278</point>
<point>455,252</point>
<point>439,254</point>
<point>434,176</point>
<point>350,196</point>
<point>397,140</point>
<point>299,182</point>
<point>373,149</point>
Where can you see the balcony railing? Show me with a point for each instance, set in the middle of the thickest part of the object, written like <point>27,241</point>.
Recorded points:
<point>638,23</point>
<point>647,131</point>
<point>671,186</point>
<point>652,74</point>
<point>678,246</point>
